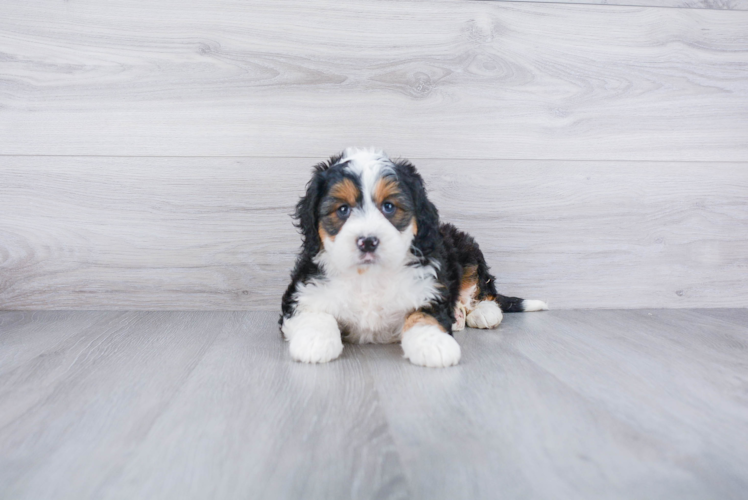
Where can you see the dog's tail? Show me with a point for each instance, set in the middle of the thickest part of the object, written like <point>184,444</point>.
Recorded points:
<point>515,304</point>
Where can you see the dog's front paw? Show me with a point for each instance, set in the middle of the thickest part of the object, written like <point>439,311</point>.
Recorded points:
<point>315,348</point>
<point>313,337</point>
<point>486,314</point>
<point>427,345</point>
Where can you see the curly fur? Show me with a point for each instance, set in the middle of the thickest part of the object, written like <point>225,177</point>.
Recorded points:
<point>421,275</point>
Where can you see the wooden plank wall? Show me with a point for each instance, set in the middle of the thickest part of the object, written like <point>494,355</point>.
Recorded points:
<point>687,4</point>
<point>150,152</point>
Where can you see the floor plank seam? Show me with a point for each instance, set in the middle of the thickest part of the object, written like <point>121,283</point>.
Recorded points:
<point>380,407</point>
<point>133,452</point>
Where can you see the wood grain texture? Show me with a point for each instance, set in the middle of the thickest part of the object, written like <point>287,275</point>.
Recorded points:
<point>578,404</point>
<point>678,4</point>
<point>560,404</point>
<point>183,405</point>
<point>447,79</point>
<point>215,233</point>
<point>79,406</point>
<point>249,423</point>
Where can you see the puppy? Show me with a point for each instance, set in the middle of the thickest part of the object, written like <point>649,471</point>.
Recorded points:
<point>377,266</point>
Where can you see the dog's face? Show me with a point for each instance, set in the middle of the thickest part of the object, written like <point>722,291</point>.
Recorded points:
<point>361,212</point>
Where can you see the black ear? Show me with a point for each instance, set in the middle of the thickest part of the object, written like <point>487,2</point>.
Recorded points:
<point>306,209</point>
<point>427,216</point>
<point>306,213</point>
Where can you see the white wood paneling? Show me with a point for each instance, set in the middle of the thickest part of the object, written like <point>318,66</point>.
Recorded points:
<point>445,79</point>
<point>680,4</point>
<point>215,233</point>
<point>150,152</point>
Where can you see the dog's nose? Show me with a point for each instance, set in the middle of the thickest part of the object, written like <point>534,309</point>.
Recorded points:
<point>367,244</point>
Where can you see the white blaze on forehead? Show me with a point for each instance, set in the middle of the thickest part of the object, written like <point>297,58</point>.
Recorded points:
<point>369,165</point>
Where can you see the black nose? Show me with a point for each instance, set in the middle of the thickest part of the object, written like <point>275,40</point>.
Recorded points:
<point>368,244</point>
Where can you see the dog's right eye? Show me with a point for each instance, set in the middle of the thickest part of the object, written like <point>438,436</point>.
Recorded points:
<point>344,211</point>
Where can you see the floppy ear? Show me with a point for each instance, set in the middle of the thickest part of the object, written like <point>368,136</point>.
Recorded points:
<point>427,216</point>
<point>306,214</point>
<point>306,209</point>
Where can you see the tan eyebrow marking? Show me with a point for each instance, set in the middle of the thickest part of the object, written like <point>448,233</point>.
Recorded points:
<point>346,191</point>
<point>386,187</point>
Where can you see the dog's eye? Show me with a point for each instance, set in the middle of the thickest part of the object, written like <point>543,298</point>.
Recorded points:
<point>344,211</point>
<point>388,208</point>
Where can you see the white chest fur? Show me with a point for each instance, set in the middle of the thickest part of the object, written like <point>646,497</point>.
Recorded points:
<point>370,304</point>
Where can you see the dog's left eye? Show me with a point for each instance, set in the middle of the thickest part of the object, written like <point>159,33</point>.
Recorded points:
<point>344,211</point>
<point>388,208</point>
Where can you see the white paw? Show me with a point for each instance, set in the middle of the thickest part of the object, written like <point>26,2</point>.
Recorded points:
<point>534,305</point>
<point>487,314</point>
<point>427,345</point>
<point>313,337</point>
<point>315,348</point>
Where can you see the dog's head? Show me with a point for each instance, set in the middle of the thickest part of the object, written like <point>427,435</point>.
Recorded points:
<point>362,210</point>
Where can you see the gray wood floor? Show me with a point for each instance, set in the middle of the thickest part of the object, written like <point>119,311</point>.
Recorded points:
<point>564,404</point>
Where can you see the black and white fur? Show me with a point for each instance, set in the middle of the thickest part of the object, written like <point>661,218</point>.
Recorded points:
<point>377,266</point>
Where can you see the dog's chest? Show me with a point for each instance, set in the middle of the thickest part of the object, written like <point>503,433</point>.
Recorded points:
<point>371,307</point>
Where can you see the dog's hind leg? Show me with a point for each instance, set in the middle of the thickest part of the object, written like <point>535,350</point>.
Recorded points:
<point>489,304</point>
<point>479,303</point>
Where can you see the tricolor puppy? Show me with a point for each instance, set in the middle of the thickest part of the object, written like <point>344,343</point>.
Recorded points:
<point>377,266</point>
